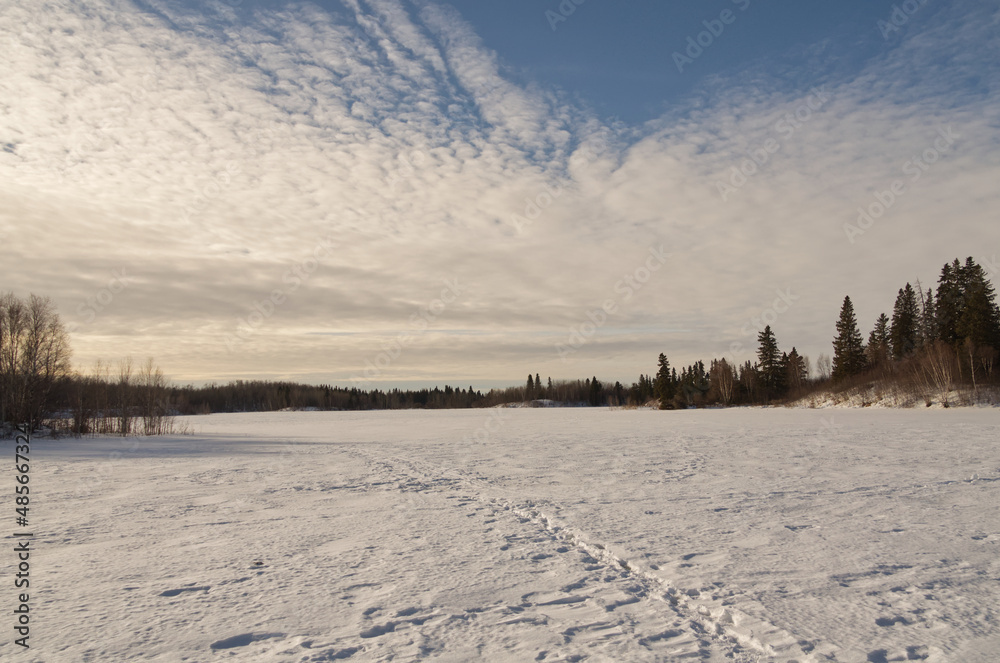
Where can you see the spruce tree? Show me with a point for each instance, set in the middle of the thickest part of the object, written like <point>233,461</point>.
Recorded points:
<point>949,302</point>
<point>796,373</point>
<point>979,318</point>
<point>848,348</point>
<point>664,385</point>
<point>928,319</point>
<point>878,342</point>
<point>596,390</point>
<point>769,360</point>
<point>905,323</point>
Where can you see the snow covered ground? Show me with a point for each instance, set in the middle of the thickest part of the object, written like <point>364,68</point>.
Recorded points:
<point>522,535</point>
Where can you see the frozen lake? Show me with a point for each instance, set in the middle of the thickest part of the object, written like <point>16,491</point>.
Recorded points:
<point>522,535</point>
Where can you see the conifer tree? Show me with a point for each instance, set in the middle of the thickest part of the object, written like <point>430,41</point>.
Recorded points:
<point>905,323</point>
<point>878,342</point>
<point>949,302</point>
<point>979,318</point>
<point>769,360</point>
<point>848,348</point>
<point>928,319</point>
<point>664,386</point>
<point>596,391</point>
<point>796,372</point>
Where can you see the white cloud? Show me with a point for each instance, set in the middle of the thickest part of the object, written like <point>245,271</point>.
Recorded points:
<point>210,151</point>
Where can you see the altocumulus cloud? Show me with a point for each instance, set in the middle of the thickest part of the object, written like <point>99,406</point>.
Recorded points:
<point>207,150</point>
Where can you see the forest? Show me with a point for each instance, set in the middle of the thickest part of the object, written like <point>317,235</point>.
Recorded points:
<point>937,341</point>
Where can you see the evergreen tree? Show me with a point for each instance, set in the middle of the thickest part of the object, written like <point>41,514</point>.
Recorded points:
<point>878,342</point>
<point>529,389</point>
<point>664,387</point>
<point>848,348</point>
<point>538,386</point>
<point>769,361</point>
<point>905,323</point>
<point>596,392</point>
<point>979,318</point>
<point>796,373</point>
<point>949,302</point>
<point>928,319</point>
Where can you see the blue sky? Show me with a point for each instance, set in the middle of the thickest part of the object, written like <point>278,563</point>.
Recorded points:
<point>387,192</point>
<point>618,57</point>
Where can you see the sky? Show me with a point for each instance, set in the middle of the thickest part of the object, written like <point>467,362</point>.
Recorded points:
<point>390,193</point>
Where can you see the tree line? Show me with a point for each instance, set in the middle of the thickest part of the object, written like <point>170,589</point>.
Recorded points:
<point>935,341</point>
<point>939,339</point>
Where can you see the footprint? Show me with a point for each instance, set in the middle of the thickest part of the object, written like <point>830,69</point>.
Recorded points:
<point>406,612</point>
<point>566,600</point>
<point>666,635</point>
<point>611,607</point>
<point>243,639</point>
<point>891,621</point>
<point>340,654</point>
<point>378,630</point>
<point>175,592</point>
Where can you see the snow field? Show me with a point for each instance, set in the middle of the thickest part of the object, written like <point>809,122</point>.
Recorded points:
<point>569,534</point>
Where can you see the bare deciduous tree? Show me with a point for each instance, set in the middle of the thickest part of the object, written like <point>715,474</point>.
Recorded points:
<point>34,356</point>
